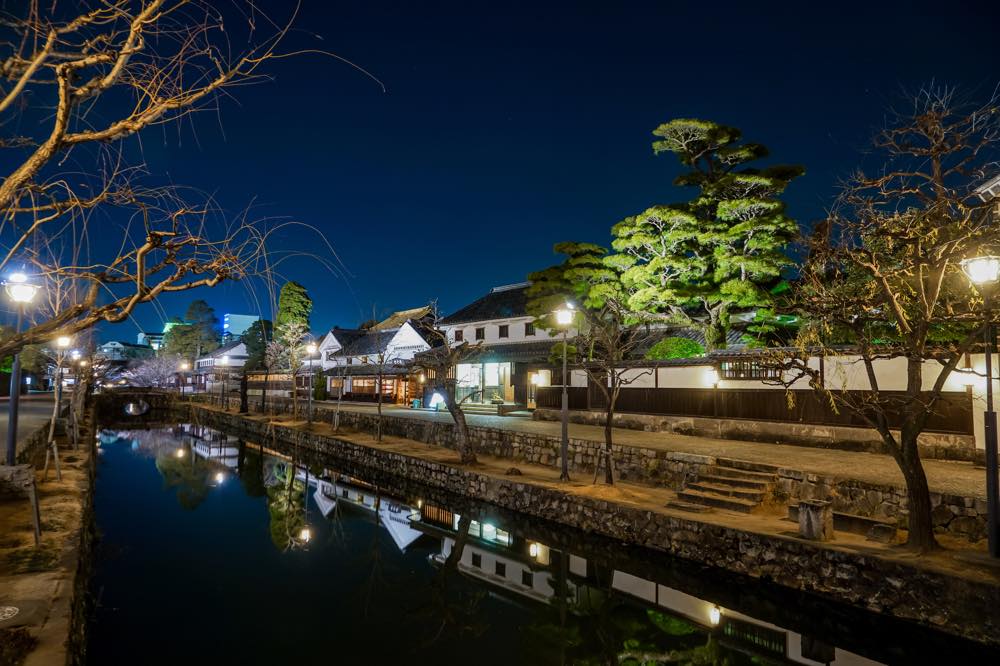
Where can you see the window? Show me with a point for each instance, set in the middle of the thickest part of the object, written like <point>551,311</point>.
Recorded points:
<point>504,331</point>
<point>459,335</point>
<point>480,333</point>
<point>527,579</point>
<point>477,560</point>
<point>364,360</point>
<point>529,329</point>
<point>500,568</point>
<point>748,369</point>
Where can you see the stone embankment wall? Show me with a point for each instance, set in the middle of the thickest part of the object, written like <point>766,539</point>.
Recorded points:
<point>959,605</point>
<point>964,517</point>
<point>944,446</point>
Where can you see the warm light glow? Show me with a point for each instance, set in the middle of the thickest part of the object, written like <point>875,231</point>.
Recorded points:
<point>219,477</point>
<point>714,615</point>
<point>83,362</point>
<point>533,550</point>
<point>75,354</point>
<point>420,504</point>
<point>564,316</point>
<point>19,289</point>
<point>305,534</point>
<point>63,341</point>
<point>185,365</point>
<point>536,379</point>
<point>982,270</point>
<point>180,453</point>
<point>423,378</point>
<point>712,378</point>
<point>311,349</point>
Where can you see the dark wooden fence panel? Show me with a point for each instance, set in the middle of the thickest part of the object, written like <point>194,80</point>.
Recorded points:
<point>550,397</point>
<point>952,412</point>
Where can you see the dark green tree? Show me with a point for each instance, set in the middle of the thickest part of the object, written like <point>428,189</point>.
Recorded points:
<point>256,338</point>
<point>294,304</point>
<point>606,331</point>
<point>693,262</point>
<point>196,335</point>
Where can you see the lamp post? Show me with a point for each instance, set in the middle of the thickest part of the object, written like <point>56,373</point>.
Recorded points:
<point>180,376</point>
<point>564,317</point>
<point>224,362</point>
<point>310,350</point>
<point>984,273</point>
<point>21,292</point>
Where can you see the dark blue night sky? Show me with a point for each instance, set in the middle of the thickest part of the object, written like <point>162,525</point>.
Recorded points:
<point>507,127</point>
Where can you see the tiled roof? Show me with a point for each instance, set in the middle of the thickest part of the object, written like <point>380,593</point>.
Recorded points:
<point>500,303</point>
<point>397,319</point>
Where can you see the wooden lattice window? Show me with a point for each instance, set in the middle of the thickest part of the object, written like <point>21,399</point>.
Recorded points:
<point>750,369</point>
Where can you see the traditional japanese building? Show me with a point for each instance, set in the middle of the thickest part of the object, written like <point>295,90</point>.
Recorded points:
<point>512,356</point>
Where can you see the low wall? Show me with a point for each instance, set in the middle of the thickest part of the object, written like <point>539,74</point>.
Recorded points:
<point>943,446</point>
<point>958,605</point>
<point>964,517</point>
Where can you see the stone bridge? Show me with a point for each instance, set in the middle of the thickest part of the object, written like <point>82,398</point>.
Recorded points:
<point>133,407</point>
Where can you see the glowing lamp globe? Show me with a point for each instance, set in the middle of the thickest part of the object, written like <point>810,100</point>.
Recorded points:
<point>311,349</point>
<point>564,316</point>
<point>19,289</point>
<point>63,341</point>
<point>982,270</point>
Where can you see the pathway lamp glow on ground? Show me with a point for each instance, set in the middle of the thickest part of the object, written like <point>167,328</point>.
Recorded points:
<point>22,293</point>
<point>984,273</point>
<point>564,318</point>
<point>311,349</point>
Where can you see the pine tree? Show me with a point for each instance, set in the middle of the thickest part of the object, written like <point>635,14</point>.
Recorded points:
<point>693,262</point>
<point>294,304</point>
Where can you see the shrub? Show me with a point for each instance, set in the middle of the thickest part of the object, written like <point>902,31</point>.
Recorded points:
<point>675,347</point>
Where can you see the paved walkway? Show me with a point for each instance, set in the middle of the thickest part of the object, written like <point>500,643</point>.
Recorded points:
<point>944,476</point>
<point>34,410</point>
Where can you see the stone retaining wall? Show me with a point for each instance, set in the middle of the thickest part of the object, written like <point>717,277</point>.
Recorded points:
<point>944,446</point>
<point>961,606</point>
<point>961,516</point>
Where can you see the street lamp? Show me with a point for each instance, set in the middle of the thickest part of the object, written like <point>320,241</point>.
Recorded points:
<point>564,317</point>
<point>21,292</point>
<point>984,273</point>
<point>310,350</point>
<point>184,367</point>
<point>224,362</point>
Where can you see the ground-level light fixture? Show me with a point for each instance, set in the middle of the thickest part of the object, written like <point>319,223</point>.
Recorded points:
<point>179,453</point>
<point>982,270</point>
<point>714,615</point>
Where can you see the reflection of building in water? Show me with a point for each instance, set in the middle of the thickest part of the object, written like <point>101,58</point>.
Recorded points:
<point>528,569</point>
<point>211,444</point>
<point>393,515</point>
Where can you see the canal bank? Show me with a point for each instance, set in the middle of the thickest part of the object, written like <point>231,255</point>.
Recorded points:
<point>938,591</point>
<point>47,583</point>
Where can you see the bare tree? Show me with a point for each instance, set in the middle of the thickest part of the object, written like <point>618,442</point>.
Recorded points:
<point>155,372</point>
<point>883,274</point>
<point>79,85</point>
<point>291,336</point>
<point>439,363</point>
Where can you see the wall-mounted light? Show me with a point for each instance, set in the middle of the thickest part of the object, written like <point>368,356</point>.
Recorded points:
<point>533,550</point>
<point>714,616</point>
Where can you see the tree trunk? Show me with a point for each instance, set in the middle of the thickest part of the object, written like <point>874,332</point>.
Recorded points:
<point>263,393</point>
<point>920,537</point>
<point>466,452</point>
<point>609,417</point>
<point>295,396</point>
<point>244,399</point>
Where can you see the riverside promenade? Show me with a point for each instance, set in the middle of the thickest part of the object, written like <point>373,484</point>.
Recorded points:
<point>944,476</point>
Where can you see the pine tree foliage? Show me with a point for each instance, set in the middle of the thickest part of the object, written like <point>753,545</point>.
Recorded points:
<point>294,304</point>
<point>692,262</point>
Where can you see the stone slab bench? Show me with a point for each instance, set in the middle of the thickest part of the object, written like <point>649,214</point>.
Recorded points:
<point>872,528</point>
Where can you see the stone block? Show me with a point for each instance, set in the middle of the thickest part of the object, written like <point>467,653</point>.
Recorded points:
<point>816,520</point>
<point>883,533</point>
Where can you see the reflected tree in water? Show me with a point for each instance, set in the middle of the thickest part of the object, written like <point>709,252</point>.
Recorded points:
<point>190,476</point>
<point>285,506</point>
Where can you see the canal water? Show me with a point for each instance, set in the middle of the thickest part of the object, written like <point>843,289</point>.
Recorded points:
<point>213,550</point>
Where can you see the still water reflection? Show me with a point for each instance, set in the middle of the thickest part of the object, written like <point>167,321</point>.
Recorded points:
<point>215,550</point>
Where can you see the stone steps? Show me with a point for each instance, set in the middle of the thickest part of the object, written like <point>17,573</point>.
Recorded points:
<point>731,484</point>
<point>729,491</point>
<point>717,501</point>
<point>753,484</point>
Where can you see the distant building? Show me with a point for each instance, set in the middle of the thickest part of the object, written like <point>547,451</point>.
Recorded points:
<point>150,339</point>
<point>215,367</point>
<point>119,350</point>
<point>235,325</point>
